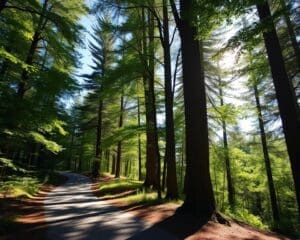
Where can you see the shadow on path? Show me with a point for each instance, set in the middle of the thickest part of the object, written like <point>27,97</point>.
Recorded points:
<point>73,212</point>
<point>179,226</point>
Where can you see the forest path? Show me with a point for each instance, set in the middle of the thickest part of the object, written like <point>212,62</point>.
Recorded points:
<point>73,212</point>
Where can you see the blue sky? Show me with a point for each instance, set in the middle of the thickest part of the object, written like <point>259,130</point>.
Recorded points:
<point>86,59</point>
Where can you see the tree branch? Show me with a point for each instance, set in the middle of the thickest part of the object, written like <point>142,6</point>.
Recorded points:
<point>175,14</point>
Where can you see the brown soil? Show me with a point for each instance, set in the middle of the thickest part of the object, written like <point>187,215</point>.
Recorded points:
<point>27,214</point>
<point>185,226</point>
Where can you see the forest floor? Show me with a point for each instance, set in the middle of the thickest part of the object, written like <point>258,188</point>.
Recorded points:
<point>153,218</point>
<point>24,218</point>
<point>165,216</point>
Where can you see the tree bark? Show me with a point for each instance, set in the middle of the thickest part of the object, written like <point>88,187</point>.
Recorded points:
<point>113,165</point>
<point>98,148</point>
<point>267,161</point>
<point>170,156</point>
<point>119,148</point>
<point>199,198</point>
<point>69,162</point>
<point>139,142</point>
<point>152,150</point>
<point>292,34</point>
<point>285,94</point>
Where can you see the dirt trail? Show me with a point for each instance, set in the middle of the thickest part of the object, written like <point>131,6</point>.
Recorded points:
<point>72,211</point>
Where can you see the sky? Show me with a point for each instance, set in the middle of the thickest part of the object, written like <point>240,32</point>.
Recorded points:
<point>85,56</point>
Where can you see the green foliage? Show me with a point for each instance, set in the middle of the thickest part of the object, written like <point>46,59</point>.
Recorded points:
<point>244,215</point>
<point>8,163</point>
<point>55,125</point>
<point>38,49</point>
<point>18,186</point>
<point>36,126</point>
<point>141,197</point>
<point>122,134</point>
<point>50,145</point>
<point>27,184</point>
<point>6,55</point>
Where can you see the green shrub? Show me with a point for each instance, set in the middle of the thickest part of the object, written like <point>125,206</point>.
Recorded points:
<point>244,215</point>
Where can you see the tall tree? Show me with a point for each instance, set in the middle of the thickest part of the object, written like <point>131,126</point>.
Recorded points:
<point>288,108</point>
<point>254,83</point>
<point>139,140</point>
<point>230,187</point>
<point>152,177</point>
<point>199,197</point>
<point>170,155</point>
<point>119,147</point>
<point>102,51</point>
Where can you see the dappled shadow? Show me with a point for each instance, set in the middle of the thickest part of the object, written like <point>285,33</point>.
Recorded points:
<point>30,222</point>
<point>73,212</point>
<point>178,226</point>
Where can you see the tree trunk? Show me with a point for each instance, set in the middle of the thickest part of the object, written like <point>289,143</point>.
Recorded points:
<point>139,142</point>
<point>113,165</point>
<point>292,34</point>
<point>69,162</point>
<point>98,149</point>
<point>285,95</point>
<point>198,188</point>
<point>152,150</point>
<point>119,148</point>
<point>107,156</point>
<point>170,156</point>
<point>230,187</point>
<point>266,157</point>
<point>164,173</point>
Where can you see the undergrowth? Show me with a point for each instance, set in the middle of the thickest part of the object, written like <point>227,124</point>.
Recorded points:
<point>26,184</point>
<point>243,215</point>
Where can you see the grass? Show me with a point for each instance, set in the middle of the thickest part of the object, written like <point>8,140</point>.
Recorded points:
<point>140,197</point>
<point>118,186</point>
<point>137,194</point>
<point>27,184</point>
<point>17,187</point>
